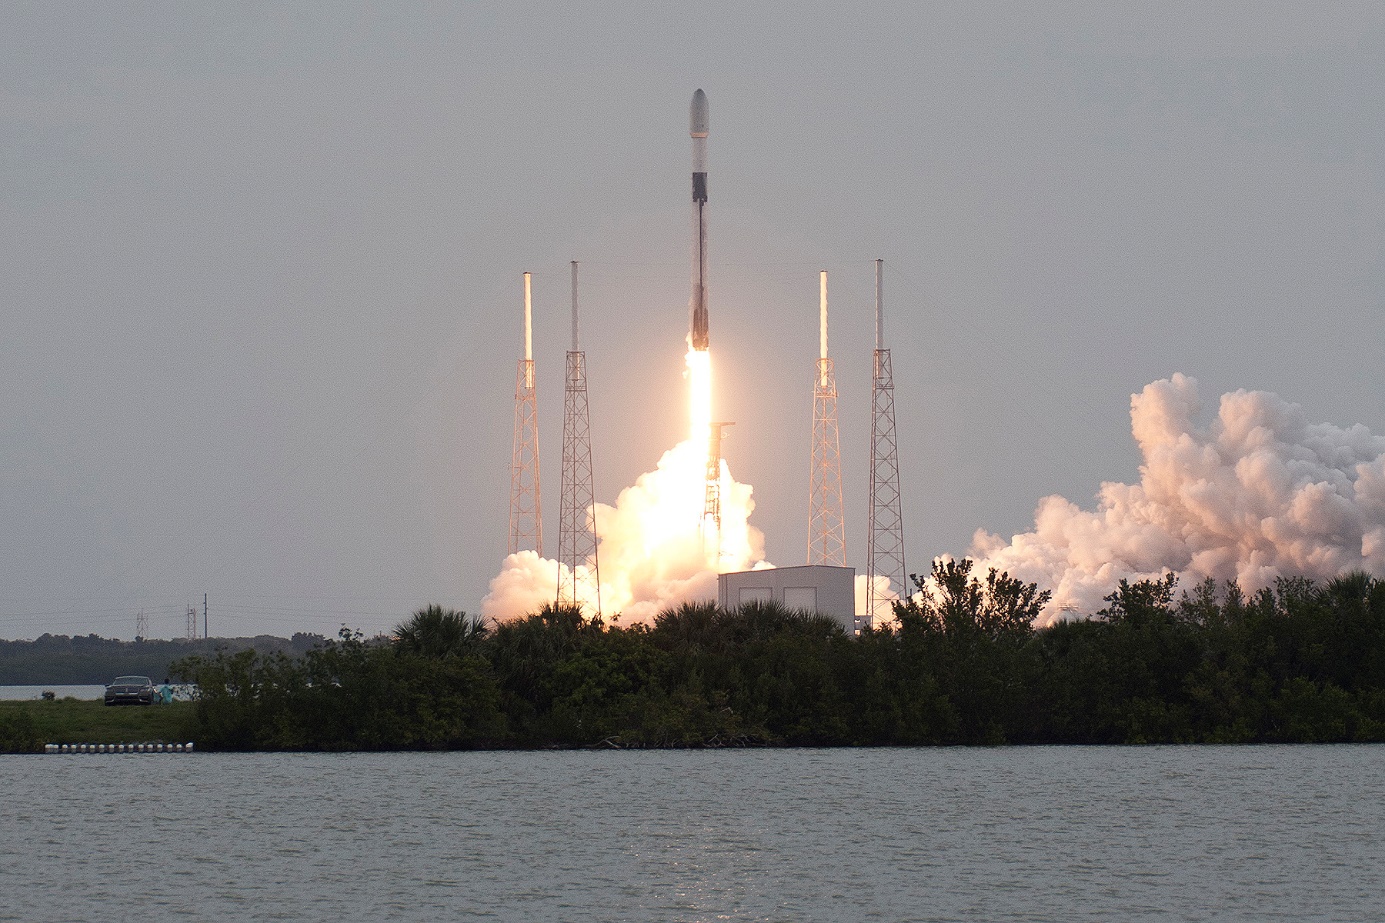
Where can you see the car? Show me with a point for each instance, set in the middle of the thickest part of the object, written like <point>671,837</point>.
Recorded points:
<point>132,690</point>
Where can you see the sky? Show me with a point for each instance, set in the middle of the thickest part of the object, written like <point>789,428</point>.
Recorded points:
<point>261,298</point>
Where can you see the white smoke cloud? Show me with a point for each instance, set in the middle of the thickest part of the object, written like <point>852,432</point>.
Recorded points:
<point>885,598</point>
<point>652,554</point>
<point>1256,494</point>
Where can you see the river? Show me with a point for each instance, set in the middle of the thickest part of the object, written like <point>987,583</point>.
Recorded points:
<point>1249,833</point>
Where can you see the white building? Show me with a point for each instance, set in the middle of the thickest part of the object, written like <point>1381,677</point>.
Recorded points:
<point>812,588</point>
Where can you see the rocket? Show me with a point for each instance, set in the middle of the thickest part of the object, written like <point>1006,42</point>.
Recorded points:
<point>698,305</point>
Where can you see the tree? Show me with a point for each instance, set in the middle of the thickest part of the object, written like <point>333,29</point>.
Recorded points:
<point>958,604</point>
<point>437,632</point>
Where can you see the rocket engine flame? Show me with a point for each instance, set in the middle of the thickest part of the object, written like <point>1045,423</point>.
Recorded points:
<point>1257,494</point>
<point>653,555</point>
<point>699,375</point>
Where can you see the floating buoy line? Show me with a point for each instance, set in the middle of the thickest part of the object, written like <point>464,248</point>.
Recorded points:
<point>118,748</point>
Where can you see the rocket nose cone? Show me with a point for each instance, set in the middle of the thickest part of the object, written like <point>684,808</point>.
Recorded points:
<point>700,120</point>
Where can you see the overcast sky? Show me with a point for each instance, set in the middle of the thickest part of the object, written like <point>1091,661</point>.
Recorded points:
<point>261,289</point>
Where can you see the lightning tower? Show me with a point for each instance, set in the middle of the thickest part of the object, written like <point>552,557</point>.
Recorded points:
<point>577,513</point>
<point>711,504</point>
<point>826,528</point>
<point>526,516</point>
<point>885,537</point>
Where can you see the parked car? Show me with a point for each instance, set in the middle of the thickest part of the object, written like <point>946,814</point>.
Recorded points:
<point>131,690</point>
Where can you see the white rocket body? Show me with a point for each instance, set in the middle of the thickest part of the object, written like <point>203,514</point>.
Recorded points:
<point>697,127</point>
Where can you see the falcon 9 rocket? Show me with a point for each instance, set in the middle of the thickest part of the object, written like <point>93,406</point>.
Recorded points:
<point>698,306</point>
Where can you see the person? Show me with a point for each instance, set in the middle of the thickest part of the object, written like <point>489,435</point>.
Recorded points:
<point>165,692</point>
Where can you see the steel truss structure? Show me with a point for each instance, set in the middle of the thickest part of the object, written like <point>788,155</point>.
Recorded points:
<point>826,524</point>
<point>526,511</point>
<point>885,537</point>
<point>579,574</point>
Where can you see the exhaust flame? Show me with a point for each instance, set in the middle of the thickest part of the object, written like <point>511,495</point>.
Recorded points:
<point>699,375</point>
<point>653,555</point>
<point>1257,494</point>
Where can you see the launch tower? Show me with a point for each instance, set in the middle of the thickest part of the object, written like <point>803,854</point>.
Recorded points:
<point>579,578</point>
<point>711,504</point>
<point>826,528</point>
<point>526,516</point>
<point>885,537</point>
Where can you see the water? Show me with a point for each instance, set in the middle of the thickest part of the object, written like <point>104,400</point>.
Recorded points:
<point>11,693</point>
<point>1034,834</point>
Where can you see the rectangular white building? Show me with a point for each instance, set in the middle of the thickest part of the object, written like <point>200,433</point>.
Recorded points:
<point>812,588</point>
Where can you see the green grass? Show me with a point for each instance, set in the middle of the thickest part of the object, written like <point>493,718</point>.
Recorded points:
<point>27,726</point>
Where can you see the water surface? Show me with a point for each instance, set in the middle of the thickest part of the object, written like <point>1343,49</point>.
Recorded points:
<point>13,693</point>
<point>1035,834</point>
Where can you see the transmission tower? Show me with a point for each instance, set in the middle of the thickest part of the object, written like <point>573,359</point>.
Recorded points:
<point>885,537</point>
<point>826,529</point>
<point>526,516</point>
<point>577,511</point>
<point>141,626</point>
<point>711,505</point>
<point>192,623</point>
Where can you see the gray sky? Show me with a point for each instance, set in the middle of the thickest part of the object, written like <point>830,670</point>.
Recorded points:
<point>261,286</point>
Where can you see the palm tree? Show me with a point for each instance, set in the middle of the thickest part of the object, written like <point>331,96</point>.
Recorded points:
<point>437,632</point>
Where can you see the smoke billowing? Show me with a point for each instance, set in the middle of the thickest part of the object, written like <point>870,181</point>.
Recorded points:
<point>652,553</point>
<point>1257,493</point>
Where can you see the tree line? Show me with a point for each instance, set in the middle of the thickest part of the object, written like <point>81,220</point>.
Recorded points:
<point>89,660</point>
<point>1301,662</point>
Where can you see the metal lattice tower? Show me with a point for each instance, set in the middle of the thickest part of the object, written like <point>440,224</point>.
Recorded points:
<point>885,538</point>
<point>580,583</point>
<point>826,527</point>
<point>711,504</point>
<point>192,623</point>
<point>141,626</point>
<point>526,514</point>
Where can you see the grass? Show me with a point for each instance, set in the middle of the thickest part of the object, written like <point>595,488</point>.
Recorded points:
<point>27,726</point>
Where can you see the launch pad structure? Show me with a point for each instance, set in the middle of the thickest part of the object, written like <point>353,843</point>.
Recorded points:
<point>579,575</point>
<point>711,504</point>
<point>885,536</point>
<point>826,524</point>
<point>526,513</point>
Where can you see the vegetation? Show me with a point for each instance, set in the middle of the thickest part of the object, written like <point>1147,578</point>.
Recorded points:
<point>1301,662</point>
<point>26,726</point>
<point>963,665</point>
<point>86,660</point>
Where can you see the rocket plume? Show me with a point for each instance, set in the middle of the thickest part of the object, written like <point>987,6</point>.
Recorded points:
<point>652,551</point>
<point>1256,494</point>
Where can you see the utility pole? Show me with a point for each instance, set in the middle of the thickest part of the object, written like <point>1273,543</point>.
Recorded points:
<point>205,633</point>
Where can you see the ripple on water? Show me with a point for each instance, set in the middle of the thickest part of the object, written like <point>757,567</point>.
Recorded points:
<point>1225,833</point>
